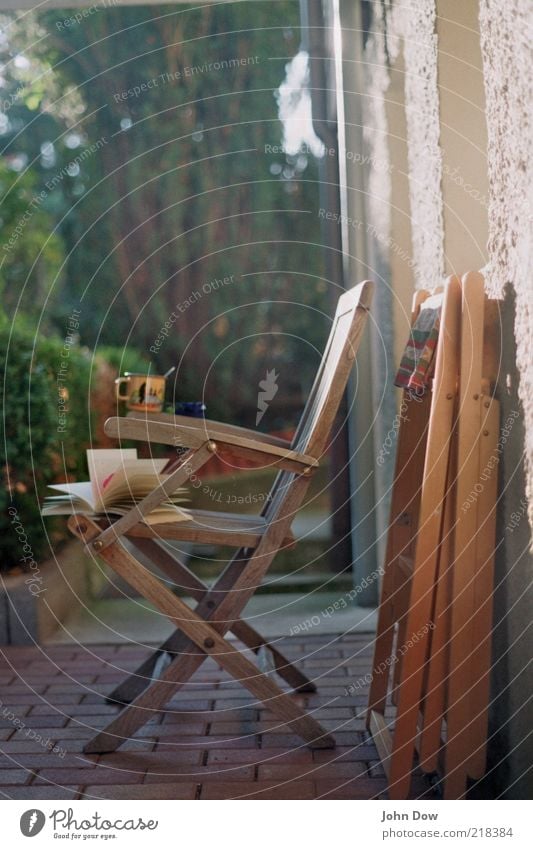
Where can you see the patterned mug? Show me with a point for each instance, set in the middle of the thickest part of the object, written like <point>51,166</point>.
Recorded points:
<point>143,392</point>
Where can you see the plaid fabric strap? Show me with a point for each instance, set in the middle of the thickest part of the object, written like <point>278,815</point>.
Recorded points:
<point>416,366</point>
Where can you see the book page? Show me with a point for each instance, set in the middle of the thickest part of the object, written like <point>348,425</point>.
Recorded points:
<point>132,479</point>
<point>103,462</point>
<point>119,480</point>
<point>79,492</point>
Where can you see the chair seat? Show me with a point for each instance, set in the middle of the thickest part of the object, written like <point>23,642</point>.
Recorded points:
<point>209,526</point>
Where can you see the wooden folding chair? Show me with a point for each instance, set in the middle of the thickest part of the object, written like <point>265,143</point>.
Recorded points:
<point>472,579</point>
<point>412,560</point>
<point>201,632</point>
<point>440,558</point>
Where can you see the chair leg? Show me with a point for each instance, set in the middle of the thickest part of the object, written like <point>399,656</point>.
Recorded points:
<point>169,563</point>
<point>377,697</point>
<point>205,638</point>
<point>154,698</point>
<point>135,683</point>
<point>285,669</point>
<point>132,686</point>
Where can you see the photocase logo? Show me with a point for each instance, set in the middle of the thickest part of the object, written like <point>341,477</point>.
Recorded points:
<point>269,388</point>
<point>32,822</point>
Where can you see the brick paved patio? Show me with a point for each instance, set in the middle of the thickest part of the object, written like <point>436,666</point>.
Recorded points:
<point>214,744</point>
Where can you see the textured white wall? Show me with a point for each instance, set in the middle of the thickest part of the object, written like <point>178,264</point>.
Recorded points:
<point>407,27</point>
<point>506,31</point>
<point>463,137</point>
<point>375,130</point>
<point>416,24</point>
<point>505,36</point>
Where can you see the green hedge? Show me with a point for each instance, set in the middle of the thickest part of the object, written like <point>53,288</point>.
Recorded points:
<point>26,463</point>
<point>123,359</point>
<point>48,423</point>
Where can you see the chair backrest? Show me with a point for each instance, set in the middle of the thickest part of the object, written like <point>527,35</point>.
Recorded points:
<point>313,431</point>
<point>319,414</point>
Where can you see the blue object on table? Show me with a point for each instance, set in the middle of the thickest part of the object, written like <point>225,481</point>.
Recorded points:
<point>195,409</point>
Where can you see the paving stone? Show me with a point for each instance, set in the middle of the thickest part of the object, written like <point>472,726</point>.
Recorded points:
<point>77,687</point>
<point>358,752</point>
<point>259,790</point>
<point>39,722</point>
<point>191,704</point>
<point>216,742</point>
<point>93,721</point>
<point>33,791</point>
<point>249,756</point>
<point>212,773</point>
<point>14,776</point>
<point>36,761</point>
<point>239,729</point>
<point>24,688</point>
<point>11,722</point>
<point>23,746</point>
<point>73,710</point>
<point>152,761</point>
<point>29,700</point>
<point>246,703</point>
<point>176,716</point>
<point>314,772</point>
<point>170,790</point>
<point>175,728</point>
<point>99,775</point>
<point>359,788</point>
<point>207,692</point>
<point>96,696</point>
<point>77,745</point>
<point>319,714</point>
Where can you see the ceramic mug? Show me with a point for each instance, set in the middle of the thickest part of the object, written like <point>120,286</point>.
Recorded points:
<point>144,392</point>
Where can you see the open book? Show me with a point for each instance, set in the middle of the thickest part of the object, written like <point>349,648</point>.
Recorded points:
<point>117,481</point>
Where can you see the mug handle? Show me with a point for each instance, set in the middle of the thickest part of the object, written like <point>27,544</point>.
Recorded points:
<point>118,381</point>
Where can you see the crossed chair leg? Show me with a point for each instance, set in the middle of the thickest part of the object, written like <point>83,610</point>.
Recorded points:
<point>173,567</point>
<point>197,639</point>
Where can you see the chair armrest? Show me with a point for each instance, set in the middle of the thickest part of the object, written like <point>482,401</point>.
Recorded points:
<point>208,425</point>
<point>197,432</point>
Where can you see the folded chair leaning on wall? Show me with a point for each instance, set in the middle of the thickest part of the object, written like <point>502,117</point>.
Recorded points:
<point>200,633</point>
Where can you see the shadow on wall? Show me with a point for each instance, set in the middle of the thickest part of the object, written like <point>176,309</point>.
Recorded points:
<point>510,752</point>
